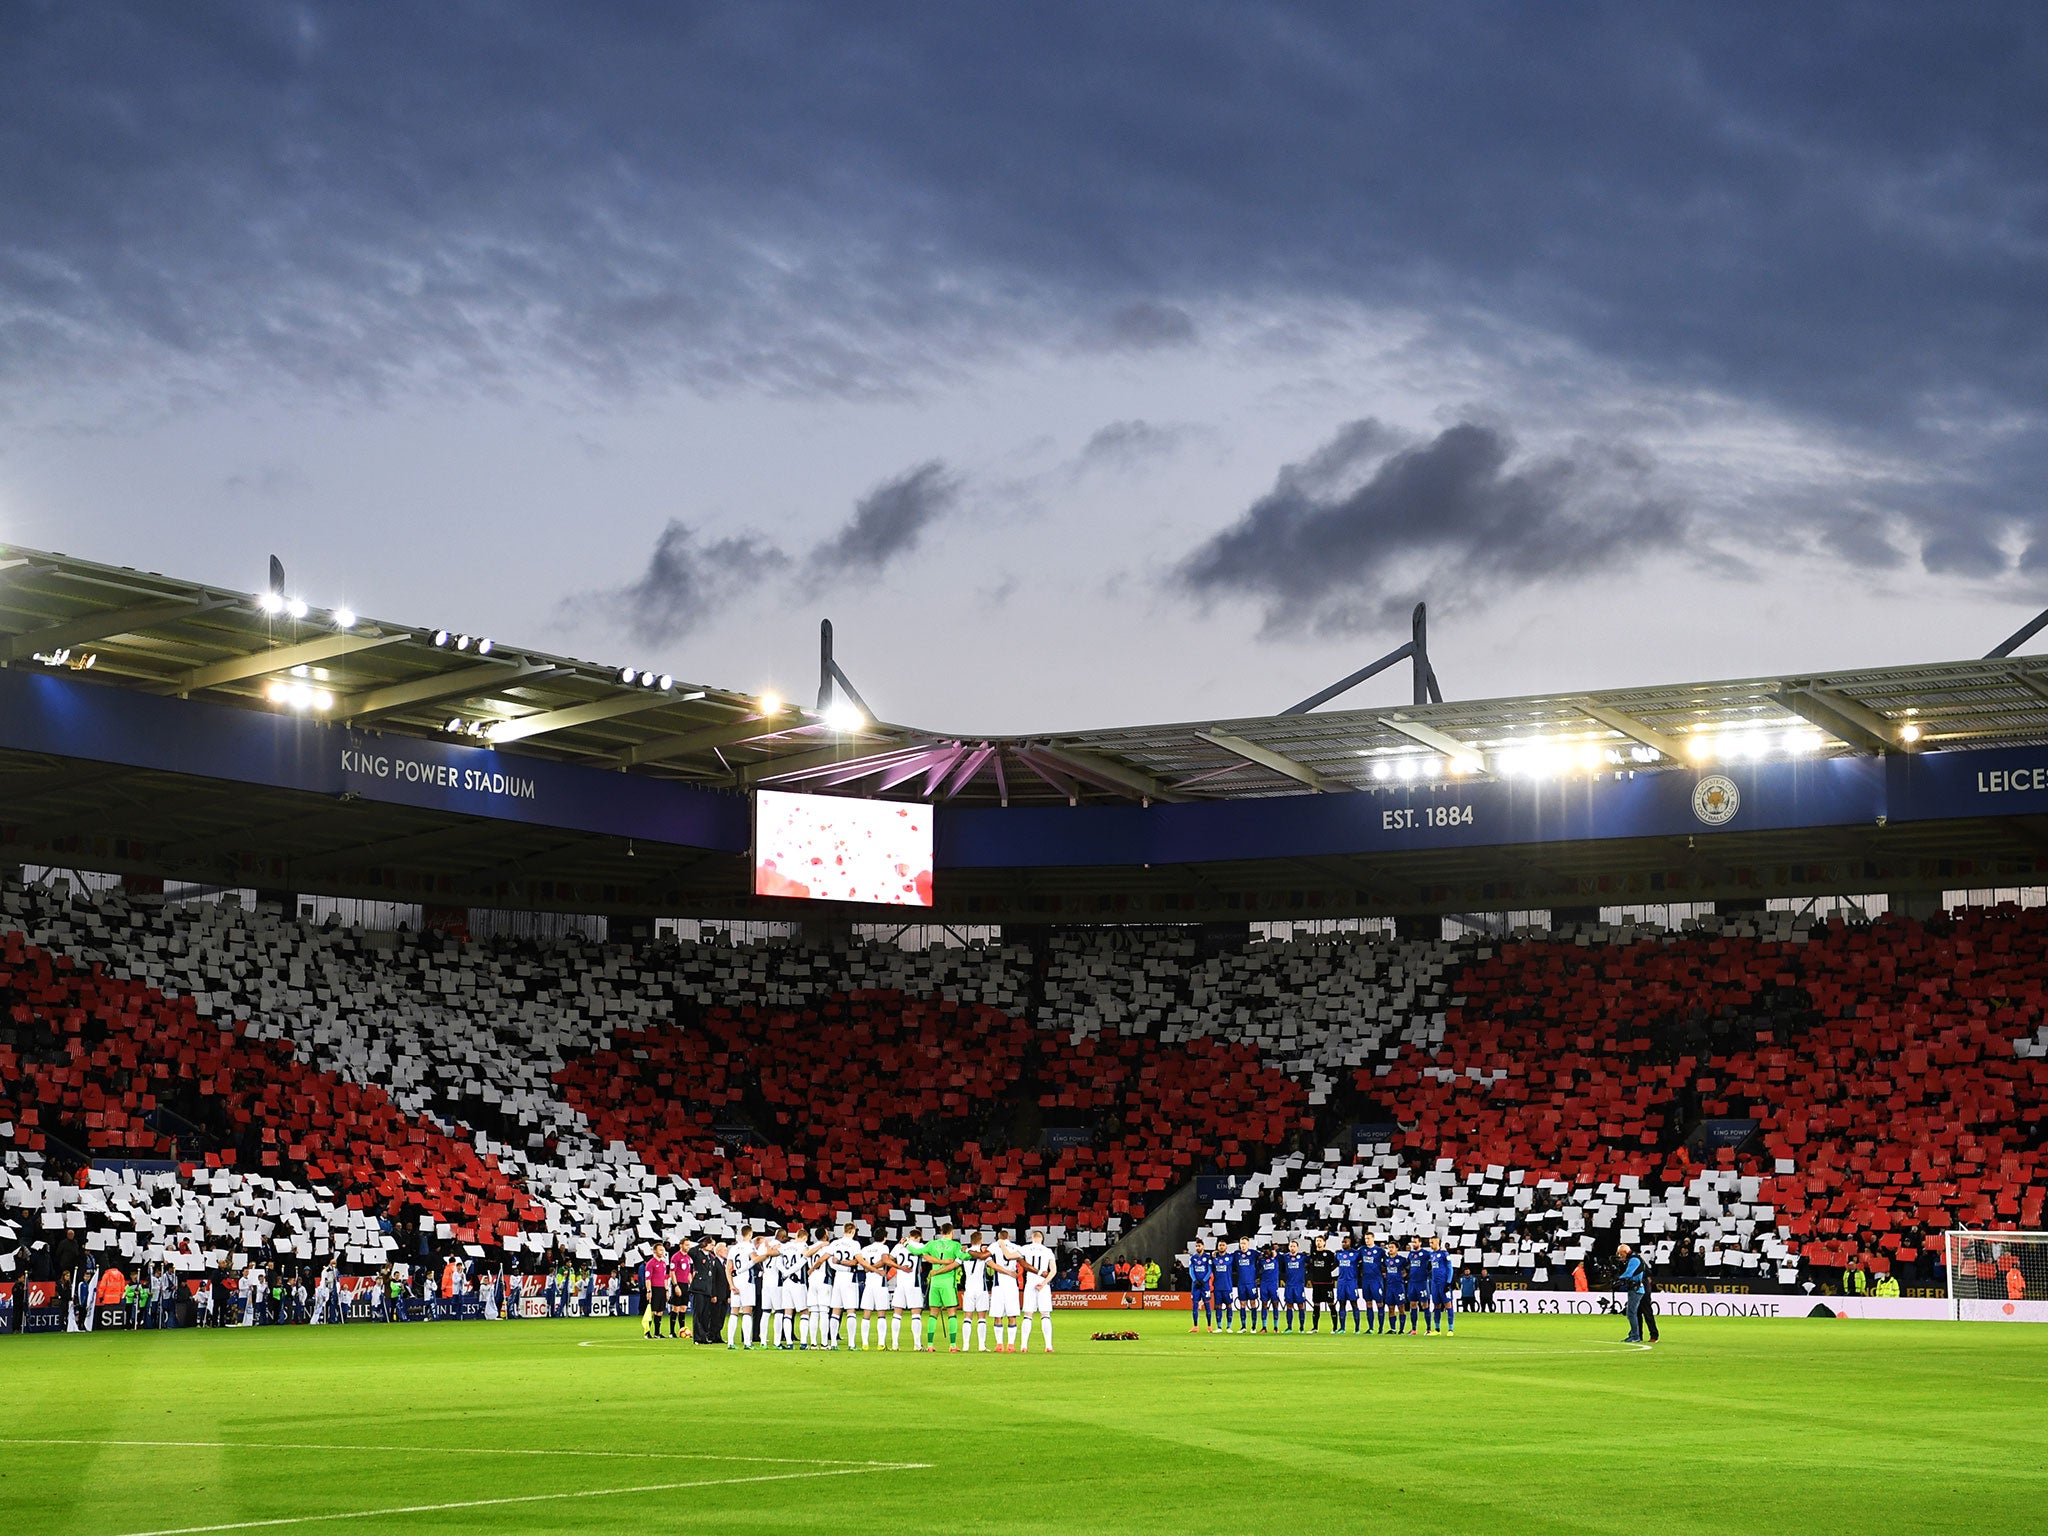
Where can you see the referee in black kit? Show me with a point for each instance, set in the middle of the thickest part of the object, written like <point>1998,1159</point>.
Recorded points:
<point>1322,1285</point>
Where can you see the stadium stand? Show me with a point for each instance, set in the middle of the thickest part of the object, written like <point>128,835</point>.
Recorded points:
<point>239,1079</point>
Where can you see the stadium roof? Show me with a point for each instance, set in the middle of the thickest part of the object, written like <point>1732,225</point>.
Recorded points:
<point>140,630</point>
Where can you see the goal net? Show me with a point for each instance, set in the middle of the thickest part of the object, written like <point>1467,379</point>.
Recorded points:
<point>1997,1276</point>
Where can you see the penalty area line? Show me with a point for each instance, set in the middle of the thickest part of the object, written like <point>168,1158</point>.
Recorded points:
<point>533,1498</point>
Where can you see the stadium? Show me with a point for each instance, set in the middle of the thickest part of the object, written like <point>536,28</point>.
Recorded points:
<point>357,971</point>
<point>1023,770</point>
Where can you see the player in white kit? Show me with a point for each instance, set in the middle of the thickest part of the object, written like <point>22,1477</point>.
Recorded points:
<point>741,1268</point>
<point>906,1295</point>
<point>874,1291</point>
<point>787,1267</point>
<point>842,1264</point>
<point>818,1295</point>
<point>1039,1264</point>
<point>974,1293</point>
<point>1005,1292</point>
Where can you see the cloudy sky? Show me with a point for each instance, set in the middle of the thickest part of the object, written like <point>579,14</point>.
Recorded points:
<point>1084,364</point>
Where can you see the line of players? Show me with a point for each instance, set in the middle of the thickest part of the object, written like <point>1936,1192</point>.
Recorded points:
<point>801,1290</point>
<point>1379,1287</point>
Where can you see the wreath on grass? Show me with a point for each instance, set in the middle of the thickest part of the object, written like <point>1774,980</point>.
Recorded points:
<point>1111,1338</point>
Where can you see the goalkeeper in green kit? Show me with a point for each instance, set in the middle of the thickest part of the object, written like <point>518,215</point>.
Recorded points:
<point>945,1259</point>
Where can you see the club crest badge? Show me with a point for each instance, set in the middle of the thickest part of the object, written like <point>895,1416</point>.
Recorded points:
<point>1715,800</point>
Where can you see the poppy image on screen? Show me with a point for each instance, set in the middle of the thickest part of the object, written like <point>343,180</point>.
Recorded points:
<point>828,848</point>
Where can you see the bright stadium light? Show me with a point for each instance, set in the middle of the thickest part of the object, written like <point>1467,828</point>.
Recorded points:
<point>296,608</point>
<point>441,637</point>
<point>344,618</point>
<point>277,692</point>
<point>628,674</point>
<point>483,647</point>
<point>1383,770</point>
<point>845,716</point>
<point>462,642</point>
<point>771,703</point>
<point>1700,748</point>
<point>1909,733</point>
<point>322,699</point>
<point>271,602</point>
<point>1406,769</point>
<point>666,683</point>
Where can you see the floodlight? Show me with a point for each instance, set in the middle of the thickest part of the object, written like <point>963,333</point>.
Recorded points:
<point>1406,769</point>
<point>647,679</point>
<point>1591,756</point>
<point>296,607</point>
<point>344,618</point>
<point>454,724</point>
<point>462,642</point>
<point>1432,766</point>
<point>322,699</point>
<point>302,670</point>
<point>1754,745</point>
<point>1700,748</point>
<point>483,647</point>
<point>271,602</point>
<point>1909,733</point>
<point>277,692</point>
<point>771,703</point>
<point>845,716</point>
<point>666,683</point>
<point>440,637</point>
<point>628,674</point>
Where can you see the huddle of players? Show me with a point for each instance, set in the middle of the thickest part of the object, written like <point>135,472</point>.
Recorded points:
<point>805,1290</point>
<point>1379,1287</point>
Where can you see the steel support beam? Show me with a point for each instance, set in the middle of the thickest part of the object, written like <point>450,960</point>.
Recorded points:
<point>279,659</point>
<point>102,626</point>
<point>629,701</point>
<point>1840,716</point>
<point>1634,729</point>
<point>1103,771</point>
<point>441,685</point>
<point>1429,736</point>
<point>710,738</point>
<point>1266,757</point>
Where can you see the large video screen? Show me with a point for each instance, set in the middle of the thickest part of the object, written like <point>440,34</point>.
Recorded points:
<point>827,848</point>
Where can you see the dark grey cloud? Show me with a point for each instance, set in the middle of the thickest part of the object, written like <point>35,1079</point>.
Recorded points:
<point>688,580</point>
<point>1838,214</point>
<point>890,520</point>
<point>1351,536</point>
<point>1127,445</point>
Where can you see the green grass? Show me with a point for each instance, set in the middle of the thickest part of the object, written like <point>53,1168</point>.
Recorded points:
<point>1516,1424</point>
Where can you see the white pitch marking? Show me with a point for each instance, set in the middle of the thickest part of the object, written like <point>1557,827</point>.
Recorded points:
<point>535,1498</point>
<point>460,1450</point>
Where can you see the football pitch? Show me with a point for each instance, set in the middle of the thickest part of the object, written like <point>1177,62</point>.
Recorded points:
<point>1515,1424</point>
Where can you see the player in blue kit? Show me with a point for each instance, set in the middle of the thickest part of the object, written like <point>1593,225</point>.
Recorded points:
<point>1269,1288</point>
<point>1393,1290</point>
<point>1247,1282</point>
<point>1372,1283</point>
<point>1419,1270</point>
<point>1294,1284</point>
<point>1440,1287</point>
<point>1345,1298</point>
<point>1200,1268</point>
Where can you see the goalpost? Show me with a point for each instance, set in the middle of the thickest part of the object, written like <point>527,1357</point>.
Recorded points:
<point>1997,1276</point>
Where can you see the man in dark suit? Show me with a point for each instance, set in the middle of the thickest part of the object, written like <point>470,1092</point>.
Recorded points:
<point>710,1292</point>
